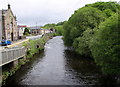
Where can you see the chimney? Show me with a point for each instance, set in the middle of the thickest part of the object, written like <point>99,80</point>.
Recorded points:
<point>8,6</point>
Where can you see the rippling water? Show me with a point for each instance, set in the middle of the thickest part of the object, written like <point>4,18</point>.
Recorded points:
<point>57,66</point>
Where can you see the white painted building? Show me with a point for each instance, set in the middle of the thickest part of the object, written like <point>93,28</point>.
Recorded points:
<point>45,31</point>
<point>21,29</point>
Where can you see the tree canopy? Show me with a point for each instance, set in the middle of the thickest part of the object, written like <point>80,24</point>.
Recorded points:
<point>83,19</point>
<point>94,31</point>
<point>105,45</point>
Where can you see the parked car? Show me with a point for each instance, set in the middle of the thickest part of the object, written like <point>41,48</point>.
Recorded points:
<point>5,42</point>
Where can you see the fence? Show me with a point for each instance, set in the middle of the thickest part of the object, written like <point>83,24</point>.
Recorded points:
<point>9,55</point>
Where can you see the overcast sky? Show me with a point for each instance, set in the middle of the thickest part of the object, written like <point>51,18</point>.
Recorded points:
<point>40,12</point>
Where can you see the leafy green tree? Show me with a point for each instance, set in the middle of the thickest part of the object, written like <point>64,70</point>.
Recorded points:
<point>105,46</point>
<point>58,27</point>
<point>94,30</point>
<point>108,12</point>
<point>26,31</point>
<point>60,23</point>
<point>113,6</point>
<point>81,44</point>
<point>83,19</point>
<point>48,26</point>
<point>59,30</point>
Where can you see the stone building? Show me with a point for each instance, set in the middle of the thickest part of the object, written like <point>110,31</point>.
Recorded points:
<point>8,25</point>
<point>36,30</point>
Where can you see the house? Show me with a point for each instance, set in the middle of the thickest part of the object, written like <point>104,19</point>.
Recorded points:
<point>35,30</point>
<point>8,25</point>
<point>45,31</point>
<point>21,29</point>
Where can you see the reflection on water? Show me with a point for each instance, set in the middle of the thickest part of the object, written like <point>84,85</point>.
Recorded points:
<point>57,66</point>
<point>82,69</point>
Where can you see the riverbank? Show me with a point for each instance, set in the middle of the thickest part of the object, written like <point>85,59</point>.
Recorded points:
<point>32,47</point>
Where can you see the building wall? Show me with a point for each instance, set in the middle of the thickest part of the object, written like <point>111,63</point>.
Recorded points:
<point>10,25</point>
<point>21,30</point>
<point>47,31</point>
<point>35,31</point>
<point>0,25</point>
<point>42,31</point>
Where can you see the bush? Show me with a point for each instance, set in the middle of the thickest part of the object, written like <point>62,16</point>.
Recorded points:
<point>83,19</point>
<point>34,46</point>
<point>105,45</point>
<point>81,44</point>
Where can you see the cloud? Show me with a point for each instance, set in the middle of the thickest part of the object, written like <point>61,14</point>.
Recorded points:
<point>43,11</point>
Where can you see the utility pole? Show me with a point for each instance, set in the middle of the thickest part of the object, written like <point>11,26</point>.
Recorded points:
<point>36,29</point>
<point>36,24</point>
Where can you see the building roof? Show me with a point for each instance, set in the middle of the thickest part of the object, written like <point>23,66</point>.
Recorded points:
<point>23,26</point>
<point>4,11</point>
<point>35,27</point>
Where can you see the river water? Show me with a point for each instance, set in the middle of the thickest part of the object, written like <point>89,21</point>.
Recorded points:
<point>57,65</point>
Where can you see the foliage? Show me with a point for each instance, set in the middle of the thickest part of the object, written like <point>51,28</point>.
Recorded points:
<point>94,31</point>
<point>60,23</point>
<point>113,6</point>
<point>26,31</point>
<point>81,44</point>
<point>34,46</point>
<point>108,12</point>
<point>59,30</point>
<point>83,19</point>
<point>105,45</point>
<point>48,26</point>
<point>58,27</point>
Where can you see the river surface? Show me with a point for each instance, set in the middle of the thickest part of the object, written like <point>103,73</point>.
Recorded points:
<point>57,65</point>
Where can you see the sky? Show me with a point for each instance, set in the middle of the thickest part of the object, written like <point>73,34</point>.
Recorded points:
<point>41,12</point>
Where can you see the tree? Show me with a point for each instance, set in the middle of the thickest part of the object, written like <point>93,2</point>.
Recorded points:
<point>59,30</point>
<point>81,44</point>
<point>60,23</point>
<point>48,26</point>
<point>83,19</point>
<point>26,31</point>
<point>113,6</point>
<point>106,44</point>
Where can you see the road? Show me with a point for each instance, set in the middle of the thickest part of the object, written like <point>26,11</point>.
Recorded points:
<point>19,42</point>
<point>34,37</point>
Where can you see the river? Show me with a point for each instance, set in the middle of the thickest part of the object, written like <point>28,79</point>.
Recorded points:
<point>56,65</point>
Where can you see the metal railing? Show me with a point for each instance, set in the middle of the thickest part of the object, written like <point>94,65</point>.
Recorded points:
<point>9,55</point>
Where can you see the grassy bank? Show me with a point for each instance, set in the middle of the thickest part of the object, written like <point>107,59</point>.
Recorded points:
<point>32,47</point>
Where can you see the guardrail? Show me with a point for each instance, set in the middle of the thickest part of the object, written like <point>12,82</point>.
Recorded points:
<point>35,37</point>
<point>17,43</point>
<point>9,55</point>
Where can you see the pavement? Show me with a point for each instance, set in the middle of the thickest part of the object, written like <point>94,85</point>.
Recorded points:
<point>34,37</point>
<point>19,42</point>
